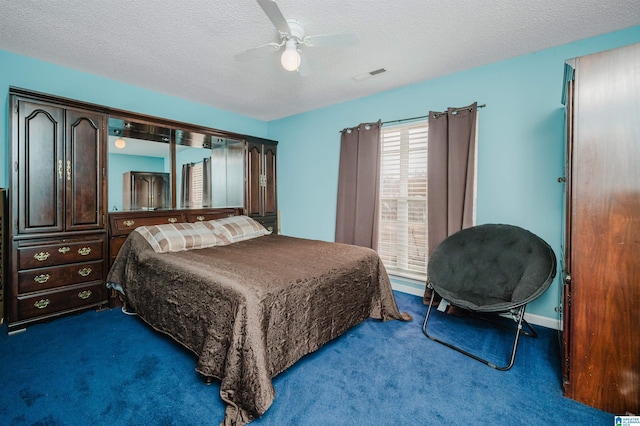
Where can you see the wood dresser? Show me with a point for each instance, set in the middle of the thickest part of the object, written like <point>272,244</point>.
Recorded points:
<point>121,224</point>
<point>70,160</point>
<point>57,229</point>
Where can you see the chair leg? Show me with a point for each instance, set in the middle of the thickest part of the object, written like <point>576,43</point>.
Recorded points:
<point>519,319</point>
<point>530,331</point>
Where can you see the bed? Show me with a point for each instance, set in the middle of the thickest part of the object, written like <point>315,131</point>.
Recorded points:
<point>249,304</point>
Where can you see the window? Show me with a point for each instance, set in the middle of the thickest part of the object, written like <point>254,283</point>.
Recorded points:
<point>195,194</point>
<point>402,227</point>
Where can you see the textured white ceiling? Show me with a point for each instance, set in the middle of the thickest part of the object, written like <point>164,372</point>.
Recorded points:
<point>186,48</point>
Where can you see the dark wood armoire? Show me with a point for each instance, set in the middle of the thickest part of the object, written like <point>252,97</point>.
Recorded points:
<point>261,181</point>
<point>146,191</point>
<point>601,309</point>
<point>57,211</point>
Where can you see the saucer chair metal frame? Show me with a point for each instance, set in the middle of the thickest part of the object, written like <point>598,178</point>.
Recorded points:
<point>482,254</point>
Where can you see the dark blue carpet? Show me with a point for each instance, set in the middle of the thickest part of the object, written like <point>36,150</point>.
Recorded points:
<point>107,368</point>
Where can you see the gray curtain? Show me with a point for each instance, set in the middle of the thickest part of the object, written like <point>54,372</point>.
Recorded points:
<point>185,201</point>
<point>451,173</point>
<point>358,186</point>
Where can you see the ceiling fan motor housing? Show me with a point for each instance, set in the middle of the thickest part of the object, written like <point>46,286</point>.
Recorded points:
<point>297,31</point>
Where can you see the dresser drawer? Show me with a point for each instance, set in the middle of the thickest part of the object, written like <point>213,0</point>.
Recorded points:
<point>124,225</point>
<point>45,278</point>
<point>41,304</point>
<point>43,254</point>
<point>202,216</point>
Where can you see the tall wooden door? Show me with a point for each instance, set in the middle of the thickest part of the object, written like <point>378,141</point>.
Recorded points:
<point>40,168</point>
<point>254,172</point>
<point>604,369</point>
<point>261,177</point>
<point>83,170</point>
<point>269,204</point>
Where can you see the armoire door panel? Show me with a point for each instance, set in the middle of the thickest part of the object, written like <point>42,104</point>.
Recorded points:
<point>160,191</point>
<point>270,201</point>
<point>41,170</point>
<point>142,185</point>
<point>253,192</point>
<point>605,225</point>
<point>146,190</point>
<point>83,170</point>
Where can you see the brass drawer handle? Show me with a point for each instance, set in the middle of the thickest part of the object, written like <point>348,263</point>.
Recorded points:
<point>84,251</point>
<point>60,169</point>
<point>41,304</point>
<point>84,294</point>
<point>129,223</point>
<point>172,220</point>
<point>200,218</point>
<point>270,228</point>
<point>64,250</point>
<point>68,170</point>
<point>84,271</point>
<point>43,255</point>
<point>41,279</point>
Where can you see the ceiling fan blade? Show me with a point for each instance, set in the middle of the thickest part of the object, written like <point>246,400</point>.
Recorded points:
<point>256,52</point>
<point>272,10</point>
<point>304,69</point>
<point>331,40</point>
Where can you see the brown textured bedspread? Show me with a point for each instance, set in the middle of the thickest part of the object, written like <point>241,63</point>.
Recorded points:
<point>251,309</point>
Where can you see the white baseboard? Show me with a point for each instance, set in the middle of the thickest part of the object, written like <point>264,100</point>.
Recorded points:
<point>551,323</point>
<point>404,288</point>
<point>418,290</point>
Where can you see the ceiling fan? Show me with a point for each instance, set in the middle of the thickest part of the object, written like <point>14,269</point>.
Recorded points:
<point>293,39</point>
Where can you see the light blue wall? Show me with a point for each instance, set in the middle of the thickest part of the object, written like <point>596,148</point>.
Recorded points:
<point>21,71</point>
<point>521,144</point>
<point>520,134</point>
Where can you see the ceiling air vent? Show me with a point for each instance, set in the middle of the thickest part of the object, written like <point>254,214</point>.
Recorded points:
<point>369,74</point>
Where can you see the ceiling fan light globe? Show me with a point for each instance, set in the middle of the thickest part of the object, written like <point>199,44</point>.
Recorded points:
<point>290,59</point>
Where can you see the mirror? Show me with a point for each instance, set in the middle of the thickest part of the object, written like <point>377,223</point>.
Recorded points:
<point>228,158</point>
<point>139,156</point>
<point>210,171</point>
<point>209,168</point>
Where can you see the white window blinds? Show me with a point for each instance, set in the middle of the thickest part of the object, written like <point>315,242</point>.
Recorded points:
<point>402,239</point>
<point>196,185</point>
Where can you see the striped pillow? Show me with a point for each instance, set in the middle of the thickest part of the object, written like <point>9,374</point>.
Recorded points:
<point>238,228</point>
<point>182,236</point>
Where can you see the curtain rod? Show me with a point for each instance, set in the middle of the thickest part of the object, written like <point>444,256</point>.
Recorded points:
<point>426,116</point>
